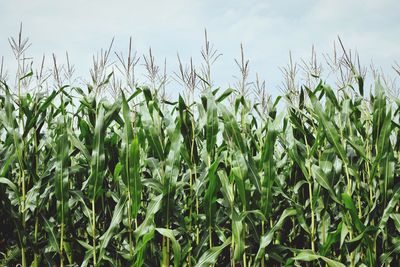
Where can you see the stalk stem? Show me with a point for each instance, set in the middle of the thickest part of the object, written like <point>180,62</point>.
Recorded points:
<point>62,244</point>
<point>197,211</point>
<point>190,214</point>
<point>210,236</point>
<point>310,192</point>
<point>36,256</point>
<point>23,258</point>
<point>94,233</point>
<point>262,234</point>
<point>130,224</point>
<point>312,217</point>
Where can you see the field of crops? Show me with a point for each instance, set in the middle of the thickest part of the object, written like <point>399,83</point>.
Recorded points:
<point>211,178</point>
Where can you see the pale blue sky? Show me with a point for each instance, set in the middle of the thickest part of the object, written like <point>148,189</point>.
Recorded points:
<point>268,30</point>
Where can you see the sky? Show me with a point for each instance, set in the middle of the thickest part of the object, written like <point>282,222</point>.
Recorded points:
<point>268,30</point>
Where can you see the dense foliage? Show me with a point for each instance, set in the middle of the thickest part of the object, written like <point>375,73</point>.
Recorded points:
<point>143,182</point>
<point>212,178</point>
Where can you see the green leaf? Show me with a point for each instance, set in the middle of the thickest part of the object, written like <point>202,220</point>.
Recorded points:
<point>97,165</point>
<point>29,74</point>
<point>268,237</point>
<point>210,197</point>
<point>151,125</point>
<point>61,178</point>
<point>10,184</point>
<point>130,161</point>
<point>269,170</point>
<point>322,180</point>
<point>330,130</point>
<point>226,187</point>
<point>225,94</point>
<point>231,129</point>
<point>51,234</point>
<point>175,245</point>
<point>389,209</point>
<point>356,241</point>
<point>211,128</point>
<point>239,172</point>
<point>396,219</point>
<point>210,257</point>
<point>153,207</point>
<point>349,205</point>
<point>238,238</point>
<point>114,224</point>
<point>311,256</point>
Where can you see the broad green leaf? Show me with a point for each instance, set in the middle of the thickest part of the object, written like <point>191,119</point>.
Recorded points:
<point>10,184</point>
<point>51,234</point>
<point>268,237</point>
<point>349,205</point>
<point>396,219</point>
<point>210,257</point>
<point>175,245</point>
<point>97,164</point>
<point>210,197</point>
<point>237,236</point>
<point>130,161</point>
<point>114,224</point>
<point>269,170</point>
<point>62,173</point>
<point>322,180</point>
<point>211,128</point>
<point>389,208</point>
<point>330,130</point>
<point>311,256</point>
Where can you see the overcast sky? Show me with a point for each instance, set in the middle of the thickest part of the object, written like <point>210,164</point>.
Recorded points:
<point>267,29</point>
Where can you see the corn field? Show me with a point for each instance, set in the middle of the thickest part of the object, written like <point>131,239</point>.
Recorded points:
<point>215,180</point>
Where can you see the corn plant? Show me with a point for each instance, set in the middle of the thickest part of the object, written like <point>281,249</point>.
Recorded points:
<point>200,181</point>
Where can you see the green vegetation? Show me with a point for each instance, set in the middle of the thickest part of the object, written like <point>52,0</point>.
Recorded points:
<point>216,179</point>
